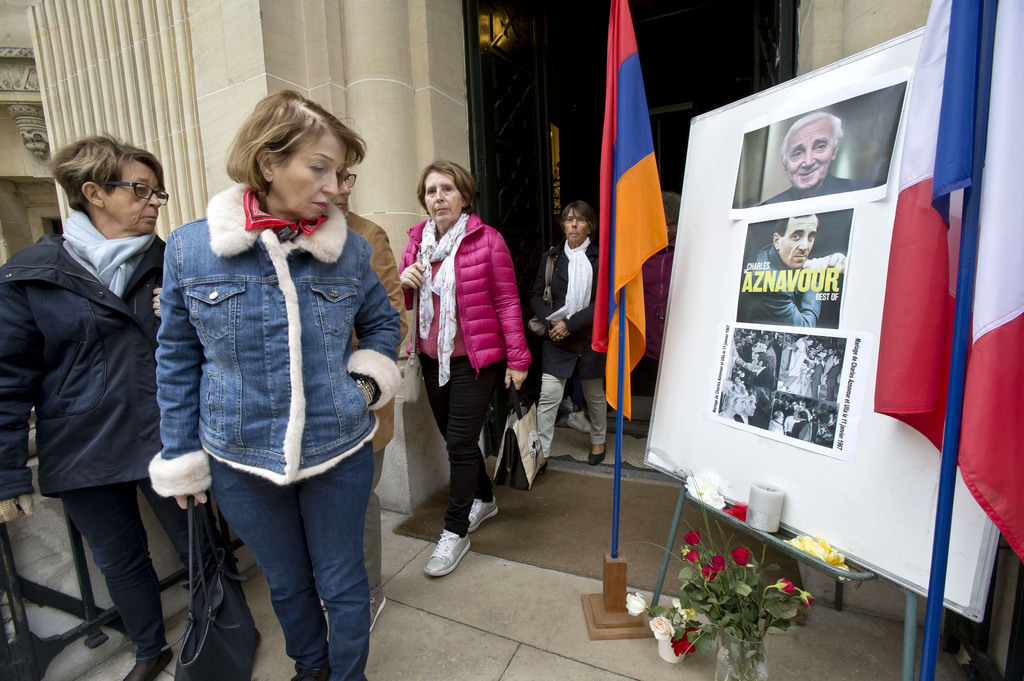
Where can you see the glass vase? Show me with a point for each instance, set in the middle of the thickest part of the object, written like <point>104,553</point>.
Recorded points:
<point>740,660</point>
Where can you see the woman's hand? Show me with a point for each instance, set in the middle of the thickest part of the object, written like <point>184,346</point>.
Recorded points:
<point>182,499</point>
<point>156,301</point>
<point>558,330</point>
<point>514,376</point>
<point>412,277</point>
<point>15,507</point>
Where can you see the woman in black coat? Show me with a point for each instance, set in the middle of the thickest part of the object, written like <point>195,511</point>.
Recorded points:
<point>569,316</point>
<point>79,334</point>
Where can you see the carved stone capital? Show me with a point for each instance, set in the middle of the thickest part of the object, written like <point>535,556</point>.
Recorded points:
<point>32,126</point>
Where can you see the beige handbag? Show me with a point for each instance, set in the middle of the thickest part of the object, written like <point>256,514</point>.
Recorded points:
<point>520,455</point>
<point>413,369</point>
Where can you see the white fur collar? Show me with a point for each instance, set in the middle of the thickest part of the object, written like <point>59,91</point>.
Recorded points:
<point>228,235</point>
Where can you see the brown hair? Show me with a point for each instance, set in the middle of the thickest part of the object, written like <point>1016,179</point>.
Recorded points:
<point>463,182</point>
<point>280,124</point>
<point>584,210</point>
<point>670,202</point>
<point>98,159</point>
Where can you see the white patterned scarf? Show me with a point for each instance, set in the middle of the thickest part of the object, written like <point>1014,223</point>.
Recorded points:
<point>113,261</point>
<point>581,276</point>
<point>432,250</point>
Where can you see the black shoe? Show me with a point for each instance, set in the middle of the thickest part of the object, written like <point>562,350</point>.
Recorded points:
<point>595,459</point>
<point>148,669</point>
<point>543,468</point>
<point>315,674</point>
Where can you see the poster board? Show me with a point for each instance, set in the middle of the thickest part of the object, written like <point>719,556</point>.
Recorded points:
<point>874,501</point>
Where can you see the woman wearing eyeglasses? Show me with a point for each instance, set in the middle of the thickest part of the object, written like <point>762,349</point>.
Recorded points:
<point>77,344</point>
<point>566,350</point>
<point>262,397</point>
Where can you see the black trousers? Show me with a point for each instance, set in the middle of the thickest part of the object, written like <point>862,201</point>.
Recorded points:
<point>108,518</point>
<point>460,407</point>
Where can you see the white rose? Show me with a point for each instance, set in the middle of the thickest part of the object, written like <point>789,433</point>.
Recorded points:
<point>635,604</point>
<point>662,628</point>
<point>676,605</point>
<point>714,499</point>
<point>705,488</point>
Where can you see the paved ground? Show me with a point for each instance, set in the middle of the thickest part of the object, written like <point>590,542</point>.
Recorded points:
<point>494,620</point>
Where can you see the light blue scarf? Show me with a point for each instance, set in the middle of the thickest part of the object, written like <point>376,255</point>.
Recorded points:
<point>113,261</point>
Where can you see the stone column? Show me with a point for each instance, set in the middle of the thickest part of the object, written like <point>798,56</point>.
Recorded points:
<point>124,69</point>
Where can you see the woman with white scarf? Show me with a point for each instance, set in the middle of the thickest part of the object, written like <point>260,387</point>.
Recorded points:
<point>470,337</point>
<point>79,335</point>
<point>570,317</point>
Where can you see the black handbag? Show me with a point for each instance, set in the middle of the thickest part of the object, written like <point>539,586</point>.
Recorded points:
<point>535,324</point>
<point>520,455</point>
<point>220,636</point>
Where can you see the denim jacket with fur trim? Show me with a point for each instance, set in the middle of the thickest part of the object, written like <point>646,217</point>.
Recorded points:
<point>255,349</point>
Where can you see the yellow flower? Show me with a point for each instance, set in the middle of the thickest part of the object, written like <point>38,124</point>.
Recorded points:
<point>820,548</point>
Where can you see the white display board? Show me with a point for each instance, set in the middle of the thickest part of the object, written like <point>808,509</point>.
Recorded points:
<point>876,501</point>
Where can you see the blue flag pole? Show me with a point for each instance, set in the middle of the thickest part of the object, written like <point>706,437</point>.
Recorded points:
<point>963,314</point>
<point>618,426</point>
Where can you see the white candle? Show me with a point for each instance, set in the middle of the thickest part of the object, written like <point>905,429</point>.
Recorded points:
<point>764,507</point>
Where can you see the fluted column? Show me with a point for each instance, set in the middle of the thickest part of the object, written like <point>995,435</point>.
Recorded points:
<point>124,69</point>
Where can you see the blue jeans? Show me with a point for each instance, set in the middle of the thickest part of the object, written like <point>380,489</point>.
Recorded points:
<point>307,538</point>
<point>108,518</point>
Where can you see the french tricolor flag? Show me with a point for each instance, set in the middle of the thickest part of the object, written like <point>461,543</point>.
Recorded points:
<point>915,346</point>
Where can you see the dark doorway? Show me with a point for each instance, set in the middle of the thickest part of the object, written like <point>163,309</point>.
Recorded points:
<point>696,56</point>
<point>536,76</point>
<point>536,81</point>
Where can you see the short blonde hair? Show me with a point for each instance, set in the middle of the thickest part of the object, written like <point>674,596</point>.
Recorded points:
<point>463,182</point>
<point>98,159</point>
<point>280,124</point>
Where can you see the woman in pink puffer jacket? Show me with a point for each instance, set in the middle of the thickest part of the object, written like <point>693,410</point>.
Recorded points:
<point>470,336</point>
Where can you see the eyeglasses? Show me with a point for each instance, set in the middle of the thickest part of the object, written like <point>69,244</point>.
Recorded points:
<point>144,191</point>
<point>577,221</point>
<point>349,180</point>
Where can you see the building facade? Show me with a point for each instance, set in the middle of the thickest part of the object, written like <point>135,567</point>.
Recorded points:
<point>490,84</point>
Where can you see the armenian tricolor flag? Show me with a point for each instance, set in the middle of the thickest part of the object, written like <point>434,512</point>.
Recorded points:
<point>632,219</point>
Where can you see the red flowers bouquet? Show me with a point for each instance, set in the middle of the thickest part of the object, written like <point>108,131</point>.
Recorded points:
<point>727,589</point>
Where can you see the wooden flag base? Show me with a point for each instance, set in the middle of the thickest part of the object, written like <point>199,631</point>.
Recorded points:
<point>606,614</point>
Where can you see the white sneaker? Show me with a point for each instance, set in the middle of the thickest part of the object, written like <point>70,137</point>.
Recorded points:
<point>578,420</point>
<point>450,550</point>
<point>377,604</point>
<point>481,511</point>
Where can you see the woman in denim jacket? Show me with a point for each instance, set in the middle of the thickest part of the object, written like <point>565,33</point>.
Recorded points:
<point>262,397</point>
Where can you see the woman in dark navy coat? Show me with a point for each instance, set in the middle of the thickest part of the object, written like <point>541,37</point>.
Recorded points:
<point>569,318</point>
<point>79,336</point>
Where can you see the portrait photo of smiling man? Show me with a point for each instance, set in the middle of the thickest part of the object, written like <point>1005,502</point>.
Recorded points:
<point>841,149</point>
<point>808,150</point>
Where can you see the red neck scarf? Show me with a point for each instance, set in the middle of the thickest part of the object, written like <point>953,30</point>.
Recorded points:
<point>257,218</point>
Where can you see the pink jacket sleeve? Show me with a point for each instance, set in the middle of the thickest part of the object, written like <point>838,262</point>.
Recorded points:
<point>506,302</point>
